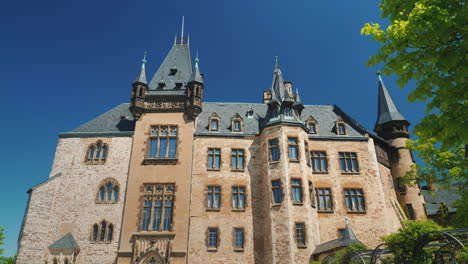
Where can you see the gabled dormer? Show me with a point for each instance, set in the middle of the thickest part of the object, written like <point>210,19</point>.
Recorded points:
<point>237,123</point>
<point>312,125</point>
<point>214,122</point>
<point>340,127</point>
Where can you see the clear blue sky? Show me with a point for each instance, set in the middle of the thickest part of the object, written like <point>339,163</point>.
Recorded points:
<point>63,63</point>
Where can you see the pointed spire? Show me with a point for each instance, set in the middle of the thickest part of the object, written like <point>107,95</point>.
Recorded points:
<point>142,76</point>
<point>182,33</point>
<point>348,234</point>
<point>278,85</point>
<point>188,39</point>
<point>387,110</point>
<point>298,98</point>
<point>196,76</point>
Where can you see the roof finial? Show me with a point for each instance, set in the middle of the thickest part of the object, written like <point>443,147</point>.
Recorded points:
<point>175,39</point>
<point>144,61</point>
<point>182,34</point>
<point>276,62</point>
<point>188,39</point>
<point>347,220</point>
<point>379,73</point>
<point>196,59</point>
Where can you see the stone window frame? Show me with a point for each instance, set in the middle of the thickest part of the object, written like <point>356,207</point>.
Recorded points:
<point>270,149</point>
<point>302,244</point>
<point>213,168</point>
<point>214,116</point>
<point>237,118</point>
<point>317,199</point>
<point>312,121</point>
<point>351,158</point>
<point>294,145</point>
<point>107,237</point>
<point>301,188</point>
<point>340,127</point>
<point>92,150</point>
<point>207,239</point>
<point>312,161</point>
<point>280,187</point>
<point>238,249</point>
<point>353,210</point>
<point>103,184</point>
<point>214,192</point>
<point>239,209</point>
<point>158,137</point>
<point>150,192</point>
<point>243,155</point>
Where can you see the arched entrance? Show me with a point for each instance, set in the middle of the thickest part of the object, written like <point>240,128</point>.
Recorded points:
<point>152,257</point>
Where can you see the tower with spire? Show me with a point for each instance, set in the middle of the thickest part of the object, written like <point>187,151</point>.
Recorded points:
<point>393,127</point>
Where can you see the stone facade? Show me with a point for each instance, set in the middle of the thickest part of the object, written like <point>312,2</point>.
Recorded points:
<point>175,203</point>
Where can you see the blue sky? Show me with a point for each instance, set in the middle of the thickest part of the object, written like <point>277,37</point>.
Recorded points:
<point>63,63</point>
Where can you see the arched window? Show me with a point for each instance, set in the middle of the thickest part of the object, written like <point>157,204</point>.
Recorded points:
<point>108,191</point>
<point>95,232</point>
<point>110,231</point>
<point>97,153</point>
<point>103,231</point>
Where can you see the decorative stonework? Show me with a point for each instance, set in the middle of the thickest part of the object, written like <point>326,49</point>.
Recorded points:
<point>152,246</point>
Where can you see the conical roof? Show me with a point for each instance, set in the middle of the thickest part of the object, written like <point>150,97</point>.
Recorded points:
<point>196,76</point>
<point>142,75</point>
<point>348,237</point>
<point>387,110</point>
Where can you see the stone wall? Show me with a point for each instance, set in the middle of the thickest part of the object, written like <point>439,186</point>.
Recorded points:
<point>67,203</point>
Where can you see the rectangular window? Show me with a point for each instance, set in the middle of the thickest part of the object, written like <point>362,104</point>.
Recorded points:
<point>348,162</point>
<point>238,197</point>
<point>296,187</point>
<point>213,237</point>
<point>409,208</point>
<point>318,159</point>
<point>293,149</point>
<point>300,235</point>
<point>274,150</point>
<point>341,129</point>
<point>239,238</point>
<point>214,124</point>
<point>324,199</point>
<point>213,197</point>
<point>236,125</point>
<point>158,207</point>
<point>277,191</point>
<point>287,112</point>
<point>214,158</point>
<point>237,159</point>
<point>163,142</point>
<point>312,128</point>
<point>355,200</point>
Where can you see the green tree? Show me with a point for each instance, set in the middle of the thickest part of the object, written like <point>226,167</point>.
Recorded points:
<point>425,43</point>
<point>5,260</point>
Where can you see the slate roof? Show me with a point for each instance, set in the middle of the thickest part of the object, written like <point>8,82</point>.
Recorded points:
<point>440,195</point>
<point>67,241</point>
<point>113,124</point>
<point>387,110</point>
<point>117,122</point>
<point>348,237</point>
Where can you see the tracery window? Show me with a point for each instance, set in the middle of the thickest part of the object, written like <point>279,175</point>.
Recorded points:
<point>102,232</point>
<point>97,153</point>
<point>158,206</point>
<point>108,191</point>
<point>163,141</point>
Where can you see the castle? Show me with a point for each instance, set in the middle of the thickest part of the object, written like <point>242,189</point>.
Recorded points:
<point>169,178</point>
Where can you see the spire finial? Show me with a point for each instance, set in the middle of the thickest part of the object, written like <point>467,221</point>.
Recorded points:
<point>379,73</point>
<point>196,58</point>
<point>276,62</point>
<point>144,61</point>
<point>182,33</point>
<point>175,39</point>
<point>188,39</point>
<point>347,220</point>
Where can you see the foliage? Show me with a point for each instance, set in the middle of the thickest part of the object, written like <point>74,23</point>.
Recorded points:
<point>461,218</point>
<point>340,254</point>
<point>443,218</point>
<point>462,256</point>
<point>403,243</point>
<point>5,260</point>
<point>2,237</point>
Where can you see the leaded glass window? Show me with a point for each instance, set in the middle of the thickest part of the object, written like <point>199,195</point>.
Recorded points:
<point>158,207</point>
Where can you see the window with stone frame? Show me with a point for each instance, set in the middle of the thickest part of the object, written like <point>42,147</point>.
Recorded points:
<point>318,160</point>
<point>312,125</point>
<point>273,146</point>
<point>238,197</point>
<point>97,153</point>
<point>158,207</point>
<point>212,238</point>
<point>277,191</point>
<point>238,238</point>
<point>213,197</point>
<point>348,162</point>
<point>214,159</point>
<point>296,191</point>
<point>340,127</point>
<point>102,232</point>
<point>300,235</point>
<point>237,159</point>
<point>237,124</point>
<point>163,142</point>
<point>108,191</point>
<point>323,197</point>
<point>354,200</point>
<point>293,149</point>
<point>214,122</point>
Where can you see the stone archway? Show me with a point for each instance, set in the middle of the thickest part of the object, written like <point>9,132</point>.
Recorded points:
<point>152,257</point>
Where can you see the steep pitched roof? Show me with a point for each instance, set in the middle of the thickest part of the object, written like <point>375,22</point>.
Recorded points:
<point>348,237</point>
<point>177,59</point>
<point>387,110</point>
<point>196,76</point>
<point>142,75</point>
<point>66,242</point>
<point>441,195</point>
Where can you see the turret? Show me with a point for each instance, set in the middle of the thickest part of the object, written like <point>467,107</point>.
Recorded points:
<point>392,126</point>
<point>140,88</point>
<point>194,92</point>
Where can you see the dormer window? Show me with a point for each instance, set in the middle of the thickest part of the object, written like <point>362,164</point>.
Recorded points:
<point>287,112</point>
<point>312,128</point>
<point>312,125</point>
<point>340,127</point>
<point>214,122</point>
<point>236,123</point>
